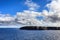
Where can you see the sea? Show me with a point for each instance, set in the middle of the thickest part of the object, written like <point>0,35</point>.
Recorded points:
<point>18,34</point>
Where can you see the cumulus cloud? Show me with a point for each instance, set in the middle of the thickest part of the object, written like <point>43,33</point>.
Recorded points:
<point>6,17</point>
<point>53,15</point>
<point>28,17</point>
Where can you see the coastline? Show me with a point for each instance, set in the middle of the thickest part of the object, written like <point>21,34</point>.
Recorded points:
<point>39,28</point>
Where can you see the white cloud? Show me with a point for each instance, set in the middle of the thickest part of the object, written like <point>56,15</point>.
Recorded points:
<point>6,17</point>
<point>31,5</point>
<point>28,17</point>
<point>53,15</point>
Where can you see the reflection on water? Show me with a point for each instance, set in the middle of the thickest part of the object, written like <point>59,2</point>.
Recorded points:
<point>16,34</point>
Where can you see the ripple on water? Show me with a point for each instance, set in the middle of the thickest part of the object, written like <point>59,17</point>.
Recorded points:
<point>16,34</point>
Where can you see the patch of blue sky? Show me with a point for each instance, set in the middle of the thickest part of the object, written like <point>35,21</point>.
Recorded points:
<point>13,6</point>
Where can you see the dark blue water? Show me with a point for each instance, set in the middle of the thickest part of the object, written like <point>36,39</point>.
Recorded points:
<point>17,34</point>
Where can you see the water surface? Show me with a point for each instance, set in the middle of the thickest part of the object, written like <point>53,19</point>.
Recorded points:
<point>17,34</point>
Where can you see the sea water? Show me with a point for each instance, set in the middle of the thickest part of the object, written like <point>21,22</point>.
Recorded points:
<point>17,34</point>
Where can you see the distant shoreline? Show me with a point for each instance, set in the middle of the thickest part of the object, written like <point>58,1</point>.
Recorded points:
<point>39,28</point>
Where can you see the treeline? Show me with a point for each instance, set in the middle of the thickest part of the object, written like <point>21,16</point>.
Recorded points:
<point>39,28</point>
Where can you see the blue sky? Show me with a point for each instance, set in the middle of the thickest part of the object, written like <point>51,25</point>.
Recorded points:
<point>13,6</point>
<point>48,10</point>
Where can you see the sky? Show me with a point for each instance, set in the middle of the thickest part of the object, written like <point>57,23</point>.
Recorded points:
<point>14,6</point>
<point>32,12</point>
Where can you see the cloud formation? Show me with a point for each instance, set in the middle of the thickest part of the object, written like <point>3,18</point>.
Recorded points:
<point>53,15</point>
<point>29,17</point>
<point>31,5</point>
<point>6,17</point>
